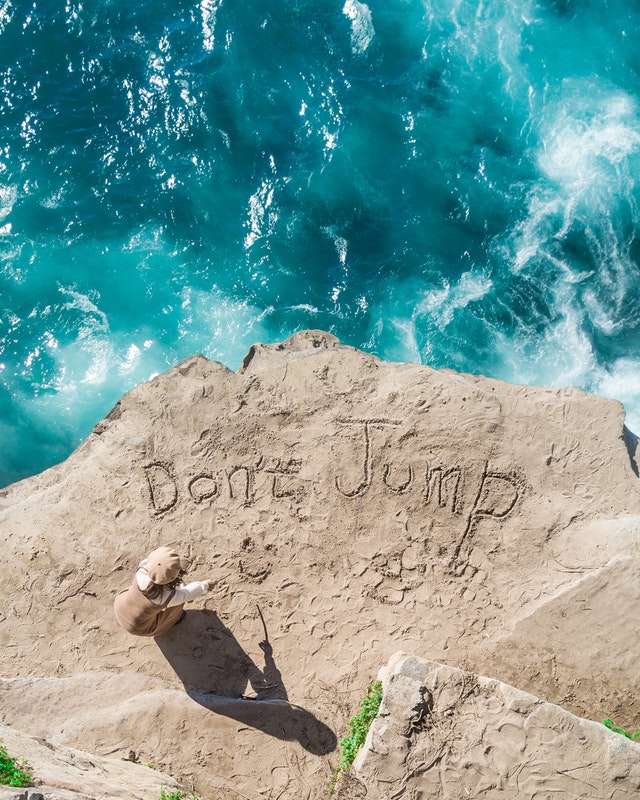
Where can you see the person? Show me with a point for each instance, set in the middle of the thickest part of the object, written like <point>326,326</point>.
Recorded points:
<point>154,602</point>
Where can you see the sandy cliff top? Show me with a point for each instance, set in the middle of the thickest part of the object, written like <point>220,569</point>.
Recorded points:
<point>362,508</point>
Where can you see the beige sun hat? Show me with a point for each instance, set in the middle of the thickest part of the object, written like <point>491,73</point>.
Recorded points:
<point>163,565</point>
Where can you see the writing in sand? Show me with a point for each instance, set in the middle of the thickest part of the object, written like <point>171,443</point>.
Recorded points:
<point>466,492</point>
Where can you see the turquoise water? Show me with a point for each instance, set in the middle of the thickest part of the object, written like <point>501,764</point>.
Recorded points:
<point>452,183</point>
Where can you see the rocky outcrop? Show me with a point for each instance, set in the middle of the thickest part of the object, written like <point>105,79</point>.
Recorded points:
<point>445,733</point>
<point>350,508</point>
<point>64,773</point>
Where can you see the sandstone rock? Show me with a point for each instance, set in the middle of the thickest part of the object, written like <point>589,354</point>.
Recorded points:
<point>445,733</point>
<point>64,773</point>
<point>358,507</point>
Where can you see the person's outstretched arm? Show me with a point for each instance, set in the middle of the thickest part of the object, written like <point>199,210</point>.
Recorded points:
<point>192,590</point>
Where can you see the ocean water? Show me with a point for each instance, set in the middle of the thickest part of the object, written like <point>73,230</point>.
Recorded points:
<point>448,182</point>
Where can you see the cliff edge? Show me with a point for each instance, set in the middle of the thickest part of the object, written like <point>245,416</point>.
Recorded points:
<point>351,508</point>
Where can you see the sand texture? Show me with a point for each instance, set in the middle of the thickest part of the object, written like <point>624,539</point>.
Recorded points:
<point>350,509</point>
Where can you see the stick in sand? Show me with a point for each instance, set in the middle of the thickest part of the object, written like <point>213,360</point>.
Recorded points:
<point>266,635</point>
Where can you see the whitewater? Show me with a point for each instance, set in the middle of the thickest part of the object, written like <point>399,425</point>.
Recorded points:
<point>451,183</point>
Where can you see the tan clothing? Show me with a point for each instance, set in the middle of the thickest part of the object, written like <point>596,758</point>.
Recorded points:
<point>139,615</point>
<point>174,597</point>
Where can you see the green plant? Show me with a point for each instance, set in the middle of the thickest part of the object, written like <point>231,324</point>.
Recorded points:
<point>609,724</point>
<point>177,794</point>
<point>359,726</point>
<point>14,772</point>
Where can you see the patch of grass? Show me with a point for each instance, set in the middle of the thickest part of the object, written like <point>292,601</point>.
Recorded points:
<point>177,794</point>
<point>14,772</point>
<point>359,726</point>
<point>609,724</point>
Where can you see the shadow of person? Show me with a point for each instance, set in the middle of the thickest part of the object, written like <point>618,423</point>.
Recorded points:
<point>216,673</point>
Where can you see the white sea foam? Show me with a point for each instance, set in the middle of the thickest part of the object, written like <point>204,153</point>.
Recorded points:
<point>407,336</point>
<point>341,246</point>
<point>220,327</point>
<point>88,359</point>
<point>8,197</point>
<point>588,159</point>
<point>621,381</point>
<point>102,356</point>
<point>589,140</point>
<point>208,11</point>
<point>262,214</point>
<point>130,361</point>
<point>440,305</point>
<point>561,355</point>
<point>411,322</point>
<point>362,30</point>
<point>6,14</point>
<point>332,114</point>
<point>93,317</point>
<point>308,309</point>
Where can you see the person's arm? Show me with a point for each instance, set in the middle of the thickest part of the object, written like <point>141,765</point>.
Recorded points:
<point>189,592</point>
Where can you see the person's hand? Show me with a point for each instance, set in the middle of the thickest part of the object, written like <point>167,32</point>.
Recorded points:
<point>266,647</point>
<point>212,583</point>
